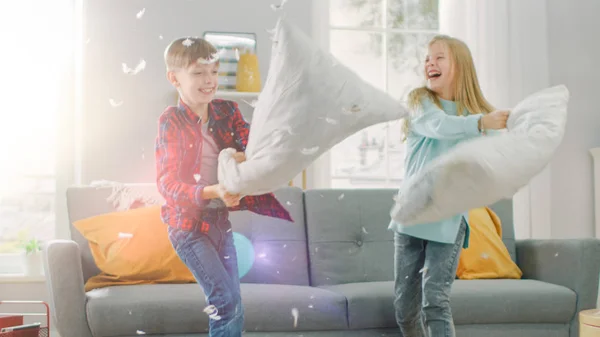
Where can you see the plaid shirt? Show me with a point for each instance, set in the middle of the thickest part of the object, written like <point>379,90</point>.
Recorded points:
<point>179,156</point>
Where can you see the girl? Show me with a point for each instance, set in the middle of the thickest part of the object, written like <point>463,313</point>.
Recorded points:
<point>450,109</point>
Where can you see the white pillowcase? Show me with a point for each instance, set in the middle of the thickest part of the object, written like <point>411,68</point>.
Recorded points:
<point>310,103</point>
<point>485,170</point>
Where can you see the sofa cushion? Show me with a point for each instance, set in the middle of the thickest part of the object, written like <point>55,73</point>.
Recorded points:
<point>370,304</point>
<point>143,256</point>
<point>487,256</point>
<point>348,239</point>
<point>170,309</point>
<point>87,201</point>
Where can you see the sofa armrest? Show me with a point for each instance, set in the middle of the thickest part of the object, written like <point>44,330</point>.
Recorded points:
<point>64,280</point>
<point>574,264</point>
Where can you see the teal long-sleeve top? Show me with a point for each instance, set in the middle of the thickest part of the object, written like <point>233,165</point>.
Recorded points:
<point>434,131</point>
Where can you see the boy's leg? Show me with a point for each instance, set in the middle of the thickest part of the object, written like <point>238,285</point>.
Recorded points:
<point>202,255</point>
<point>441,261</point>
<point>229,260</point>
<point>409,257</point>
<point>229,254</point>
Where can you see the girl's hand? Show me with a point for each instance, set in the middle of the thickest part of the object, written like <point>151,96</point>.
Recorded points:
<point>495,120</point>
<point>239,157</point>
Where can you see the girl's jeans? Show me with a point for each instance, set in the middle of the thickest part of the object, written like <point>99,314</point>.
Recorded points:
<point>424,273</point>
<point>209,253</point>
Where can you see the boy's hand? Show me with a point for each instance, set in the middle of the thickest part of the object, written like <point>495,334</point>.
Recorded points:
<point>239,157</point>
<point>495,120</point>
<point>230,200</point>
<point>217,191</point>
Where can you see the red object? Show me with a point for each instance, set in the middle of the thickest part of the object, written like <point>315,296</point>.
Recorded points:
<point>205,227</point>
<point>42,331</point>
<point>10,320</point>
<point>179,155</point>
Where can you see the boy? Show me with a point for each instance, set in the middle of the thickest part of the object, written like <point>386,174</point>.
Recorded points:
<point>190,137</point>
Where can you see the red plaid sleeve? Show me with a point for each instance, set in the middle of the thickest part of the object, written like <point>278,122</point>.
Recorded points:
<point>265,204</point>
<point>169,156</point>
<point>241,127</point>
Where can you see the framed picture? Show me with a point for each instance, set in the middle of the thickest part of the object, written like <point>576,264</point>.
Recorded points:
<point>230,45</point>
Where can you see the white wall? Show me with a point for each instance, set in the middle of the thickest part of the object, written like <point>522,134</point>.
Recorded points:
<point>118,142</point>
<point>573,50</point>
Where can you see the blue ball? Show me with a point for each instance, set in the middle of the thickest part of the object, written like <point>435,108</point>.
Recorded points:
<point>245,253</point>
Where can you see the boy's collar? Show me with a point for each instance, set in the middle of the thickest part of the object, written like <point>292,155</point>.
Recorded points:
<point>192,117</point>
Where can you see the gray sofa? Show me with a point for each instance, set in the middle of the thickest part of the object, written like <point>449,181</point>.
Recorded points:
<point>335,266</point>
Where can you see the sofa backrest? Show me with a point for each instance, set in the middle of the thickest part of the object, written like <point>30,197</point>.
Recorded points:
<point>338,235</point>
<point>348,239</point>
<point>504,210</point>
<point>280,246</point>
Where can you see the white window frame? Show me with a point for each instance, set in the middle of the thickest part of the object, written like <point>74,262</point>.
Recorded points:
<point>319,173</point>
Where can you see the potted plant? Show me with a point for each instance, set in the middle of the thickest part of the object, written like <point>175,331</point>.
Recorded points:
<point>32,257</point>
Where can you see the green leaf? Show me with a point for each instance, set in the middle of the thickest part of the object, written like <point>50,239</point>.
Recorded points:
<point>29,245</point>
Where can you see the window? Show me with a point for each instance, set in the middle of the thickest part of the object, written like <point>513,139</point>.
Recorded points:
<point>383,41</point>
<point>38,37</point>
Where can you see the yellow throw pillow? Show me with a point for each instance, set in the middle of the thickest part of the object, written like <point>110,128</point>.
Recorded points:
<point>487,256</point>
<point>132,247</point>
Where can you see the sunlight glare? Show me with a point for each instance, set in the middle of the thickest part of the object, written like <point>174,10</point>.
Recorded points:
<point>40,35</point>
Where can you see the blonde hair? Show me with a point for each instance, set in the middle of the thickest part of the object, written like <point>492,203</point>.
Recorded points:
<point>186,51</point>
<point>467,92</point>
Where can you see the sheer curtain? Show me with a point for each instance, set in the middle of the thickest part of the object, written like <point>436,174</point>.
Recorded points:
<point>508,40</point>
<point>483,25</point>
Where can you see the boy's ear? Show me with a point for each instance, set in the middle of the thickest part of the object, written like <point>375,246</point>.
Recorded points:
<point>172,78</point>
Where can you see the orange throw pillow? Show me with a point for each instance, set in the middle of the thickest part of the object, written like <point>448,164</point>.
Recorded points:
<point>487,256</point>
<point>132,247</point>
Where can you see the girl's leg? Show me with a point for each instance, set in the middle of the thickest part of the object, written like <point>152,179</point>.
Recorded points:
<point>202,254</point>
<point>409,257</point>
<point>441,261</point>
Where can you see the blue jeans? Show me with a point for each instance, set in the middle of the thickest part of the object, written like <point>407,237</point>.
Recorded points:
<point>212,259</point>
<point>424,273</point>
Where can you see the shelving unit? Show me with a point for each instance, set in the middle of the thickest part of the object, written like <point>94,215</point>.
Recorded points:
<point>237,95</point>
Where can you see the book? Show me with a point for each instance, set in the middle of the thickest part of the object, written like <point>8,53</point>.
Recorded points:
<point>10,320</point>
<point>24,330</point>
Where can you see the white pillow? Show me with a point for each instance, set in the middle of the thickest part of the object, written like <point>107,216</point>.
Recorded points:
<point>485,170</point>
<point>310,103</point>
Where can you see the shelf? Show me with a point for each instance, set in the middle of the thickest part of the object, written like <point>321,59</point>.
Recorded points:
<point>237,94</point>
<point>21,278</point>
